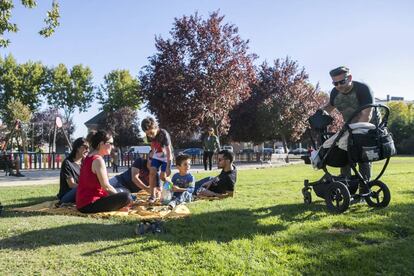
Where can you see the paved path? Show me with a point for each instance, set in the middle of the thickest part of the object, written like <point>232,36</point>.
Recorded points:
<point>43,177</point>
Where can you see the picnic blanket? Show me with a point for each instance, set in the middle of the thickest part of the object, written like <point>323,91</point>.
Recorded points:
<point>139,210</point>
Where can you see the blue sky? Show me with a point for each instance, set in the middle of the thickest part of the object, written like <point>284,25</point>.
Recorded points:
<point>374,38</point>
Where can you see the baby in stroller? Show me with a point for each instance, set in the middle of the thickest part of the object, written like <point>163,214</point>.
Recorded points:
<point>354,143</point>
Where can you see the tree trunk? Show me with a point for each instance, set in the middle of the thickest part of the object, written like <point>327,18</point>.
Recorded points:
<point>285,147</point>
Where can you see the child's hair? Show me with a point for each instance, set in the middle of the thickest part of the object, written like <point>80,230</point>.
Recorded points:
<point>181,158</point>
<point>97,137</point>
<point>148,123</point>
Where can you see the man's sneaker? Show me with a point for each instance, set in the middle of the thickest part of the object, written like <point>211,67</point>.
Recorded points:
<point>19,175</point>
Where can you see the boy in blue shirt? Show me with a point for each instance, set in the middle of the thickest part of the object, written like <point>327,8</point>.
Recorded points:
<point>183,181</point>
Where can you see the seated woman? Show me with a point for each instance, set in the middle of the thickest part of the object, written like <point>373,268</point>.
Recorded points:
<point>69,172</point>
<point>94,193</point>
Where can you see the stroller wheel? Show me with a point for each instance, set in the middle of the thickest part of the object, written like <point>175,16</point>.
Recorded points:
<point>307,196</point>
<point>337,197</point>
<point>380,195</point>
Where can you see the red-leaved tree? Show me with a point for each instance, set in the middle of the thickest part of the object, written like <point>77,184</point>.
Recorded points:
<point>282,100</point>
<point>198,75</point>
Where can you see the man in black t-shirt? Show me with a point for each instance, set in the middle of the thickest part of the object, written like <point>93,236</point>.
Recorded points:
<point>224,183</point>
<point>347,96</point>
<point>134,179</point>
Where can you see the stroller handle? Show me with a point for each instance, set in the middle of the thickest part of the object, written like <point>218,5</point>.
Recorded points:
<point>375,106</point>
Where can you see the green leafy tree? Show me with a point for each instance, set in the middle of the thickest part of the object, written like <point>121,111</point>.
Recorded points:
<point>21,81</point>
<point>119,90</point>
<point>124,125</point>
<point>6,7</point>
<point>17,117</point>
<point>69,89</point>
<point>16,110</point>
<point>401,124</point>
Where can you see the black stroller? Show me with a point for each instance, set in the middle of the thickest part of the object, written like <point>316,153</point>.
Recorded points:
<point>373,145</point>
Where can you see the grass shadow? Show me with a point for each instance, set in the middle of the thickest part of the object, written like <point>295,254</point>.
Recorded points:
<point>358,246</point>
<point>68,234</point>
<point>24,202</point>
<point>221,226</point>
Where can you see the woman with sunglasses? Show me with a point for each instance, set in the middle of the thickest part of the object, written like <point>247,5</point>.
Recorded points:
<point>70,169</point>
<point>94,193</point>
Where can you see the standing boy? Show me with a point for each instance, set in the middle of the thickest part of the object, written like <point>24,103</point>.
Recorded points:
<point>161,153</point>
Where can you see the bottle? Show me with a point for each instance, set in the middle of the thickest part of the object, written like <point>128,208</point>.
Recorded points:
<point>166,193</point>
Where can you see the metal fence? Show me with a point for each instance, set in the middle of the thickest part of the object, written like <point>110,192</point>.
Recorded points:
<point>54,160</point>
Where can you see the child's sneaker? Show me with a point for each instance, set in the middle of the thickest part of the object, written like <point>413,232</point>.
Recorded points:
<point>142,228</point>
<point>172,204</point>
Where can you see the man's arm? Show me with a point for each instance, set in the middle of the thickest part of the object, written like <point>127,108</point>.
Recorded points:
<point>328,107</point>
<point>365,97</point>
<point>137,181</point>
<point>209,183</point>
<point>178,189</point>
<point>363,116</point>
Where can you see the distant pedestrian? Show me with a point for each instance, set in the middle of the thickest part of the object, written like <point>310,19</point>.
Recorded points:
<point>115,159</point>
<point>210,145</point>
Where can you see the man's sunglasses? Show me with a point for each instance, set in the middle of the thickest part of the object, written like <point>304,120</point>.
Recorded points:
<point>341,82</point>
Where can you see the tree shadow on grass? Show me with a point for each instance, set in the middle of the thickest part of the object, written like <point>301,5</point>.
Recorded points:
<point>382,246</point>
<point>24,202</point>
<point>8,212</point>
<point>227,225</point>
<point>67,235</point>
<point>220,226</point>
<point>410,192</point>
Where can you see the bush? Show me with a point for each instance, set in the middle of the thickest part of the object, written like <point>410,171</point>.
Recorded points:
<point>406,146</point>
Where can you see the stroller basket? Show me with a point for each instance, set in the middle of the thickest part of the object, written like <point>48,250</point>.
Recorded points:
<point>375,145</point>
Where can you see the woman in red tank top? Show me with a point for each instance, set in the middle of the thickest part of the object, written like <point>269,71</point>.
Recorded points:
<point>94,193</point>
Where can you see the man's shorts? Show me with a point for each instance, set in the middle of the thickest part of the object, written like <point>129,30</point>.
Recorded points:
<point>155,163</point>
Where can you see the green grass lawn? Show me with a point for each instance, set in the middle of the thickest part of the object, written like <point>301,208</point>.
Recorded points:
<point>265,229</point>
